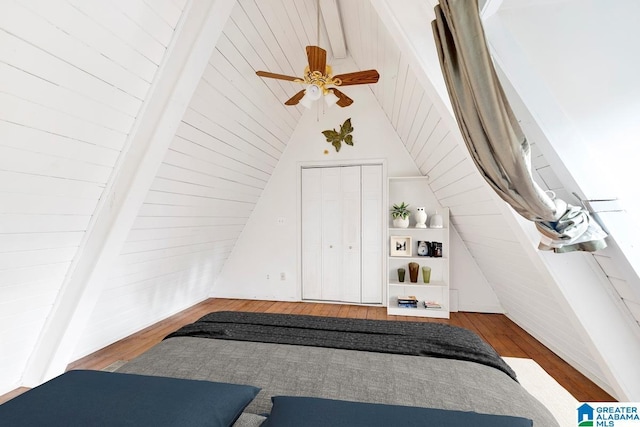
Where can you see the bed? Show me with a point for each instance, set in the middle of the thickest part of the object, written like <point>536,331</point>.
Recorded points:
<point>312,366</point>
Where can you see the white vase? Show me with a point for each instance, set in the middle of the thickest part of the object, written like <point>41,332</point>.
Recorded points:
<point>401,222</point>
<point>420,217</point>
<point>436,221</point>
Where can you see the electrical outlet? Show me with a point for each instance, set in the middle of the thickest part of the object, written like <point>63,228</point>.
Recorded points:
<point>268,276</point>
<point>281,220</point>
<point>283,276</point>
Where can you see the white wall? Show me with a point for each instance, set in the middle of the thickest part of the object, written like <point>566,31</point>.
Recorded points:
<point>500,242</point>
<point>473,291</point>
<point>269,242</point>
<point>74,76</point>
<point>585,95</point>
<point>587,58</point>
<point>267,248</point>
<point>205,189</point>
<point>572,87</point>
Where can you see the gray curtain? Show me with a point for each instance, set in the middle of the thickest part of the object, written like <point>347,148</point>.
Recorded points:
<point>493,136</point>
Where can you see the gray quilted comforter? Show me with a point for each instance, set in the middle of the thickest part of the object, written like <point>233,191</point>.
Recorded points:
<point>338,373</point>
<point>381,336</point>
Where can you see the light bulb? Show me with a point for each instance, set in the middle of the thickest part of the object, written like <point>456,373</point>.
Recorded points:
<point>313,92</point>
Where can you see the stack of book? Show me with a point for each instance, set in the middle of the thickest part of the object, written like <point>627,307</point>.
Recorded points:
<point>408,301</point>
<point>432,304</point>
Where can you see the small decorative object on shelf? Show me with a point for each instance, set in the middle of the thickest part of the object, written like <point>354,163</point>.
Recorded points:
<point>401,272</point>
<point>400,246</point>
<point>436,249</point>
<point>400,214</point>
<point>432,304</point>
<point>413,272</point>
<point>423,248</point>
<point>407,301</point>
<point>421,218</point>
<point>426,274</point>
<point>436,221</point>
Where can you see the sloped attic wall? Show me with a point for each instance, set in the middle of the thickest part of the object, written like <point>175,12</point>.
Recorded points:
<point>572,288</point>
<point>182,66</point>
<point>242,118</point>
<point>501,242</point>
<point>579,111</point>
<point>573,111</point>
<point>228,143</point>
<point>74,76</point>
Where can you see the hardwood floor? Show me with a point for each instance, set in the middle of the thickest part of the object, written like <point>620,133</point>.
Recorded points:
<point>505,336</point>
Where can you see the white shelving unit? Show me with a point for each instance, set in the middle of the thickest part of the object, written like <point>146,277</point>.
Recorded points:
<point>415,191</point>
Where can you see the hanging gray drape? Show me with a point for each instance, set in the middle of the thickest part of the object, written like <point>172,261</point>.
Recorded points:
<point>493,136</point>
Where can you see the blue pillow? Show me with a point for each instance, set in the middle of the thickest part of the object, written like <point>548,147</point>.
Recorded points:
<point>96,398</point>
<point>316,412</point>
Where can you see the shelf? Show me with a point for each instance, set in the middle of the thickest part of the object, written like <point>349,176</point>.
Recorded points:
<point>419,312</point>
<point>415,191</point>
<point>415,229</point>
<point>420,285</point>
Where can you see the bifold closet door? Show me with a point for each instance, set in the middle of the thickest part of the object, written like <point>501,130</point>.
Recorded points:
<point>332,233</point>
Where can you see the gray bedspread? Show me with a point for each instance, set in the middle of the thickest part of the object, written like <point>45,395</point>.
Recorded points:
<point>381,336</point>
<point>283,369</point>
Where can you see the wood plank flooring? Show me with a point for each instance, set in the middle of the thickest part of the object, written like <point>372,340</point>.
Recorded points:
<point>505,336</point>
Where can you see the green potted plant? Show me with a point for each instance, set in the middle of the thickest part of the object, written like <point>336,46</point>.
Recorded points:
<point>400,214</point>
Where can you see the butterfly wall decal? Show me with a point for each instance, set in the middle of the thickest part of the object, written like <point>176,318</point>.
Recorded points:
<point>336,138</point>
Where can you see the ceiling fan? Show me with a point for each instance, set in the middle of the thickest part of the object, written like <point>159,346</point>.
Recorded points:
<point>320,82</point>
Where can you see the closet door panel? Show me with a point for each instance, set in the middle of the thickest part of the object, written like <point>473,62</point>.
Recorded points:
<point>342,234</point>
<point>311,227</point>
<point>372,234</point>
<point>351,228</point>
<point>331,234</point>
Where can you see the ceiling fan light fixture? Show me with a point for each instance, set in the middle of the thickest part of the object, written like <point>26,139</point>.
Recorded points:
<point>317,76</point>
<point>330,98</point>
